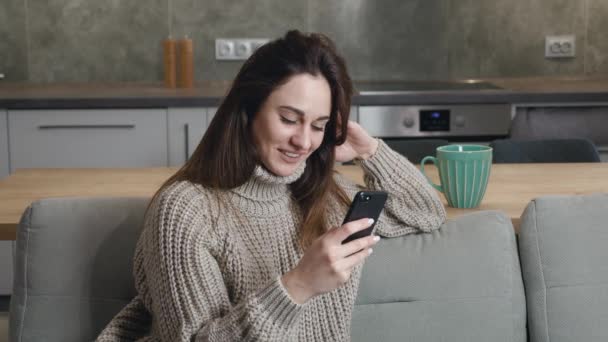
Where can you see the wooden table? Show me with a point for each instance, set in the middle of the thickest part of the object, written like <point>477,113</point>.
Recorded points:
<point>510,189</point>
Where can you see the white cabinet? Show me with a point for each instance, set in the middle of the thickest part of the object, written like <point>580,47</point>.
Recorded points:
<point>87,138</point>
<point>210,114</point>
<point>4,166</point>
<point>354,114</point>
<point>185,130</point>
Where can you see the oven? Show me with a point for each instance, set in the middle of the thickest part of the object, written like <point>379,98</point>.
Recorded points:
<point>455,123</point>
<point>462,122</point>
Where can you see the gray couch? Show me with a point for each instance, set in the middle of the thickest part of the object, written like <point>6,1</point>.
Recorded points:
<point>461,283</point>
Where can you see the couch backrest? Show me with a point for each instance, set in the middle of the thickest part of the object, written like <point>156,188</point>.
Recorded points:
<point>73,273</point>
<point>564,256</point>
<point>460,283</point>
<point>73,267</point>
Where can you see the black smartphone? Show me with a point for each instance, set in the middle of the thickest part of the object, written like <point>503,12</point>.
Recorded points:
<point>365,204</point>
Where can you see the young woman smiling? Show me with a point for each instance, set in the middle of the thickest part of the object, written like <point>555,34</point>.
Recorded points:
<point>244,242</point>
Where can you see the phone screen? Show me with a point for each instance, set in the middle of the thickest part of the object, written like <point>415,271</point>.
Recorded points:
<point>365,204</point>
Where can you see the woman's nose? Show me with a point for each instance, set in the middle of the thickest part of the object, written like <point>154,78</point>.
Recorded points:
<point>302,139</point>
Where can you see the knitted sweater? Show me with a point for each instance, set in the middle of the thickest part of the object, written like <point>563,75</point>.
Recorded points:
<point>207,266</point>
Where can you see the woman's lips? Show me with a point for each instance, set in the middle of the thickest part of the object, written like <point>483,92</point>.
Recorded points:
<point>291,156</point>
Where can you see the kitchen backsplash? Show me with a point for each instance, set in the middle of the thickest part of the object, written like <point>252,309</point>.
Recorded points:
<point>113,40</point>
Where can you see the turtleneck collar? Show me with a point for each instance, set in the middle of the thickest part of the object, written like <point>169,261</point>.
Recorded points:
<point>266,186</point>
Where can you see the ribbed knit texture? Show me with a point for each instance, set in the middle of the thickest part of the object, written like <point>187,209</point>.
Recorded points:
<point>207,266</point>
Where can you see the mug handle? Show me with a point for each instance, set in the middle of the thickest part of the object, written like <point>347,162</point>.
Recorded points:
<point>434,160</point>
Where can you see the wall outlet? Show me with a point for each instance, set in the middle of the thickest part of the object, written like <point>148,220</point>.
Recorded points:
<point>560,46</point>
<point>236,49</point>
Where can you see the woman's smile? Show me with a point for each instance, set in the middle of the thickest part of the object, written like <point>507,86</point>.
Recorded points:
<point>292,156</point>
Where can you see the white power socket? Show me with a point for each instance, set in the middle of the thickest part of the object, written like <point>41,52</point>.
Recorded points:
<point>560,46</point>
<point>236,49</point>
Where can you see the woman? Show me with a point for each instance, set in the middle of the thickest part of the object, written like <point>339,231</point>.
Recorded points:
<point>243,243</point>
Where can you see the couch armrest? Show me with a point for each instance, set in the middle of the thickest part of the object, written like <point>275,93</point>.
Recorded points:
<point>564,253</point>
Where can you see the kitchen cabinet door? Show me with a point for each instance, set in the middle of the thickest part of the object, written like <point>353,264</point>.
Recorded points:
<point>210,114</point>
<point>4,167</point>
<point>354,114</point>
<point>87,138</point>
<point>186,127</point>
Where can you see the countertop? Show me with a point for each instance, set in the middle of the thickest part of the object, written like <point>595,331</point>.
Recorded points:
<point>208,94</point>
<point>510,189</point>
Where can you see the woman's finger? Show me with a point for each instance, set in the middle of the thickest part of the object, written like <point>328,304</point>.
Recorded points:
<point>341,233</point>
<point>353,260</point>
<point>358,244</point>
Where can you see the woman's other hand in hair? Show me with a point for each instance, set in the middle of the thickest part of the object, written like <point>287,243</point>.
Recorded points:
<point>327,263</point>
<point>359,144</point>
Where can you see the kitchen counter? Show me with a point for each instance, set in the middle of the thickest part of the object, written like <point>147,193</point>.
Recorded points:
<point>108,95</point>
<point>208,94</point>
<point>510,189</point>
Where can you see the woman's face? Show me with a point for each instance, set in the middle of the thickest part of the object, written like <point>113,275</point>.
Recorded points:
<point>290,124</point>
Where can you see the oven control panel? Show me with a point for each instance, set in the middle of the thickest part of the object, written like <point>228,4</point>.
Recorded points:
<point>436,121</point>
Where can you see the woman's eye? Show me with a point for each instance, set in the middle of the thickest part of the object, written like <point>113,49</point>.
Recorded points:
<point>287,121</point>
<point>320,126</point>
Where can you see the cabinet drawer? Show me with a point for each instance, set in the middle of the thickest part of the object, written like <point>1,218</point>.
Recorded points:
<point>87,138</point>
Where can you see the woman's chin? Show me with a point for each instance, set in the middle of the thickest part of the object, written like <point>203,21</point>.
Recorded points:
<point>284,169</point>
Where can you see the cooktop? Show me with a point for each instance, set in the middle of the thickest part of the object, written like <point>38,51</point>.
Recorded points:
<point>398,87</point>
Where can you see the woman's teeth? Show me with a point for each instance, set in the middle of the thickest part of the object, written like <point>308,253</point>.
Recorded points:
<point>291,155</point>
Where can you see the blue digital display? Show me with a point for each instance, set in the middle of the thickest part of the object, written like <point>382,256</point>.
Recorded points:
<point>434,120</point>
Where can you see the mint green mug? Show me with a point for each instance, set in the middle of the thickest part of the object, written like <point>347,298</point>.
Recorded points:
<point>464,171</point>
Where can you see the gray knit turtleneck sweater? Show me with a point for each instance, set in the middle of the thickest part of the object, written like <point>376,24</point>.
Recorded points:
<point>207,266</point>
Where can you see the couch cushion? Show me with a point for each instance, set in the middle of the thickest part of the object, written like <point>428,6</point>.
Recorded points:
<point>73,267</point>
<point>564,255</point>
<point>460,283</point>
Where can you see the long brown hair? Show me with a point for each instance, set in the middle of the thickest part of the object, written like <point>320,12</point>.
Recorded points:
<point>226,156</point>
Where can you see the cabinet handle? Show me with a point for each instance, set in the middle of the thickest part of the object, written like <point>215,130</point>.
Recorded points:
<point>186,142</point>
<point>86,126</point>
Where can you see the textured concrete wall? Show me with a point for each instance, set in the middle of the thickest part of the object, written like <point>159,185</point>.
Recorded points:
<point>113,40</point>
<point>13,46</point>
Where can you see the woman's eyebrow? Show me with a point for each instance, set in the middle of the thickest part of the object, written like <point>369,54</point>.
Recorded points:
<point>301,113</point>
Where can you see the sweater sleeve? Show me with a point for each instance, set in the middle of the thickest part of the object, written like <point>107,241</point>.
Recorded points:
<point>412,205</point>
<point>186,293</point>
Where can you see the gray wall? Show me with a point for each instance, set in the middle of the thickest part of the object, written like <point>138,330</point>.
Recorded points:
<point>114,40</point>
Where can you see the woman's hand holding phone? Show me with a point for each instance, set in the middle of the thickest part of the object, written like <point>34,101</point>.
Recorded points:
<point>327,263</point>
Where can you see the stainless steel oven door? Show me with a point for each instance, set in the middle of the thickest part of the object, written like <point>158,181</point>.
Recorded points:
<point>451,122</point>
